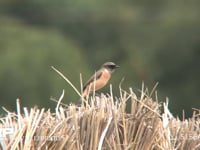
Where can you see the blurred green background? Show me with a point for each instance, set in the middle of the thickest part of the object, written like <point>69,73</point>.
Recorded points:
<point>152,41</point>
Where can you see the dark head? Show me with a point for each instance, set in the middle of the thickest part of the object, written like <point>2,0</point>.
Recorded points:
<point>110,66</point>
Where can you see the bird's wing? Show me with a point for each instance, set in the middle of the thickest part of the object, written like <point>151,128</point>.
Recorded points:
<point>96,76</point>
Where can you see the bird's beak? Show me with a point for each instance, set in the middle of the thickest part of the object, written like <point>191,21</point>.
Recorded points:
<point>117,66</point>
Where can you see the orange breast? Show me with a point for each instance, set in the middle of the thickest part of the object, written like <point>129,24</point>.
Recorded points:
<point>101,82</point>
<point>98,84</point>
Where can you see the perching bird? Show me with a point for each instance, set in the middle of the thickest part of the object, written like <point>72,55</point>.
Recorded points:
<point>99,79</point>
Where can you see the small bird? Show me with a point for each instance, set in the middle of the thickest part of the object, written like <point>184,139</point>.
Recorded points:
<point>99,79</point>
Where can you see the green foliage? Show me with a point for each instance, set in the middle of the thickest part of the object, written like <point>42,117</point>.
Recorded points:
<point>152,41</point>
<point>26,54</point>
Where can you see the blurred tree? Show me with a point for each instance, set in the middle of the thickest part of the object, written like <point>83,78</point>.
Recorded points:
<point>26,54</point>
<point>152,40</point>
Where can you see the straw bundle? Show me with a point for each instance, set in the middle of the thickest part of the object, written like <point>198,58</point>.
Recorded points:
<point>103,124</point>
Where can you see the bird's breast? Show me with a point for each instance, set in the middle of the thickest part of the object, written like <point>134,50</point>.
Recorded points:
<point>103,80</point>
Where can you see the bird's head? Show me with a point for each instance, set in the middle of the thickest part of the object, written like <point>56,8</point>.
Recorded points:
<point>110,66</point>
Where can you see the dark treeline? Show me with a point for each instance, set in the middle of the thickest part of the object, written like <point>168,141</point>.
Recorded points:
<point>155,41</point>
